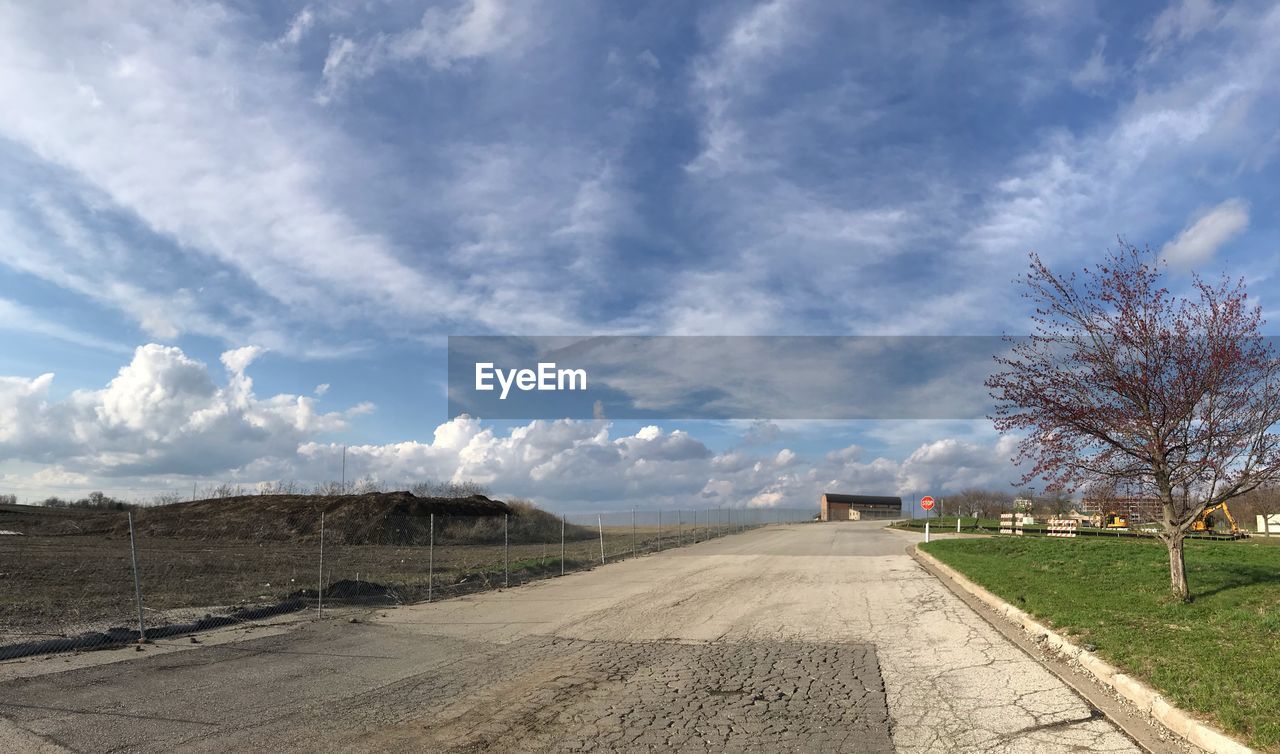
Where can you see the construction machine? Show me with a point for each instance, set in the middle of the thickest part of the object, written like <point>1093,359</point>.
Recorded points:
<point>1113,520</point>
<point>1206,523</point>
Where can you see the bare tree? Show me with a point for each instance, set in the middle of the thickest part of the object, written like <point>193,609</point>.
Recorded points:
<point>977,502</point>
<point>1122,382</point>
<point>224,490</point>
<point>332,488</point>
<point>369,483</point>
<point>278,487</point>
<point>1057,503</point>
<point>434,488</point>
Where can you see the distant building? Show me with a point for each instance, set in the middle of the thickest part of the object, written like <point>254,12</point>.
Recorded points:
<point>836,507</point>
<point>1135,510</point>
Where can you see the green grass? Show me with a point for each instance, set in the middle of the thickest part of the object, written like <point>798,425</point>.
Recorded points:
<point>948,524</point>
<point>1218,656</point>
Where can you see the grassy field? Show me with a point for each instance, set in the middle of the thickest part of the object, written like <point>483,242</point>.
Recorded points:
<point>1218,656</point>
<point>65,585</point>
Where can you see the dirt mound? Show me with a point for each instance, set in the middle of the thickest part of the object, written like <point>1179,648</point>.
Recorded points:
<point>39,521</point>
<point>381,518</point>
<point>373,518</point>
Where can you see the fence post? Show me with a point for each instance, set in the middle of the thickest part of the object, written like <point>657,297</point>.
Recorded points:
<point>431,558</point>
<point>137,584</point>
<point>320,583</point>
<point>635,547</point>
<point>506,548</point>
<point>659,530</point>
<point>695,526</point>
<point>679,528</point>
<point>600,523</point>
<point>562,544</point>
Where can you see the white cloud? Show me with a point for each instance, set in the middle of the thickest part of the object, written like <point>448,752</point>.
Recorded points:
<point>18,318</point>
<point>1199,241</point>
<point>165,418</point>
<point>163,413</point>
<point>217,153</point>
<point>443,39</point>
<point>1095,72</point>
<point>56,476</point>
<point>298,27</point>
<point>1078,191</point>
<point>237,360</point>
<point>1182,20</point>
<point>734,68</point>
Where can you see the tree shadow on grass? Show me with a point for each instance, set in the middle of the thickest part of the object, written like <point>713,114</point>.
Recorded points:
<point>1240,576</point>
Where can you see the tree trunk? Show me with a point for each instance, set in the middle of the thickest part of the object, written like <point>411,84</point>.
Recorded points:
<point>1178,568</point>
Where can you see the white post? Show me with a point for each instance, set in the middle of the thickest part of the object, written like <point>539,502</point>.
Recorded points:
<point>506,548</point>
<point>562,520</point>
<point>926,532</point>
<point>431,558</point>
<point>600,523</point>
<point>957,524</point>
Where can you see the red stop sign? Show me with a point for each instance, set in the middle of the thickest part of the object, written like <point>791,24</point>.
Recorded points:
<point>926,502</point>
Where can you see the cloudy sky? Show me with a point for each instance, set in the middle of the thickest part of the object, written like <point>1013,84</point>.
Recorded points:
<point>234,236</point>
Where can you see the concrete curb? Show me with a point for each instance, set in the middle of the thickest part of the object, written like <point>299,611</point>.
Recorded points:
<point>1140,694</point>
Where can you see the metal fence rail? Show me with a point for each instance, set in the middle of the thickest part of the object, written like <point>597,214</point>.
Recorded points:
<point>115,580</point>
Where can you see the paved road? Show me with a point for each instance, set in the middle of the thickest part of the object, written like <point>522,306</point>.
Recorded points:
<point>819,637</point>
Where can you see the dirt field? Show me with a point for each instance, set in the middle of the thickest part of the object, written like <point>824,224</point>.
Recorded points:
<point>53,586</point>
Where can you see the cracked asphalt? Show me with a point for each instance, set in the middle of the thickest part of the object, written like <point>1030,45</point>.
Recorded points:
<point>817,637</point>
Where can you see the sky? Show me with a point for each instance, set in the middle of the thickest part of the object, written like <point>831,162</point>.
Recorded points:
<point>234,237</point>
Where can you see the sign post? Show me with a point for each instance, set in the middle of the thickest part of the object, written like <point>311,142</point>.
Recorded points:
<point>926,502</point>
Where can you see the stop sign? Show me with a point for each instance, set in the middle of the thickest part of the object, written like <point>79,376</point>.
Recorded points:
<point>926,502</point>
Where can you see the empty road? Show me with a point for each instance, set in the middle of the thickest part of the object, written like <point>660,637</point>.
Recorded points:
<point>816,637</point>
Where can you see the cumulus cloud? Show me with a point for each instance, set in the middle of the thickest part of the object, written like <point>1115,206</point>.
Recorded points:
<point>581,464</point>
<point>167,415</point>
<point>1199,241</point>
<point>163,413</point>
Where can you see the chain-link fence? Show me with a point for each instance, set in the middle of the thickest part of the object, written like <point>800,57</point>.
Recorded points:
<point>78,581</point>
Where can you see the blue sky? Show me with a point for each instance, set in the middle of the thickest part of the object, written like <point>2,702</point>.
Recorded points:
<point>338,187</point>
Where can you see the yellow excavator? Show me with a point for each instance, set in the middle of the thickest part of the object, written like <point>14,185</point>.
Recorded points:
<point>1113,520</point>
<point>1206,523</point>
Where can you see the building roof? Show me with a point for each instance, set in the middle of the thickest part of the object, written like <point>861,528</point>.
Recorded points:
<point>874,501</point>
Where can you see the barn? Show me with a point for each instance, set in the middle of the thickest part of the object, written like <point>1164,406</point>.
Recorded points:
<point>836,507</point>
